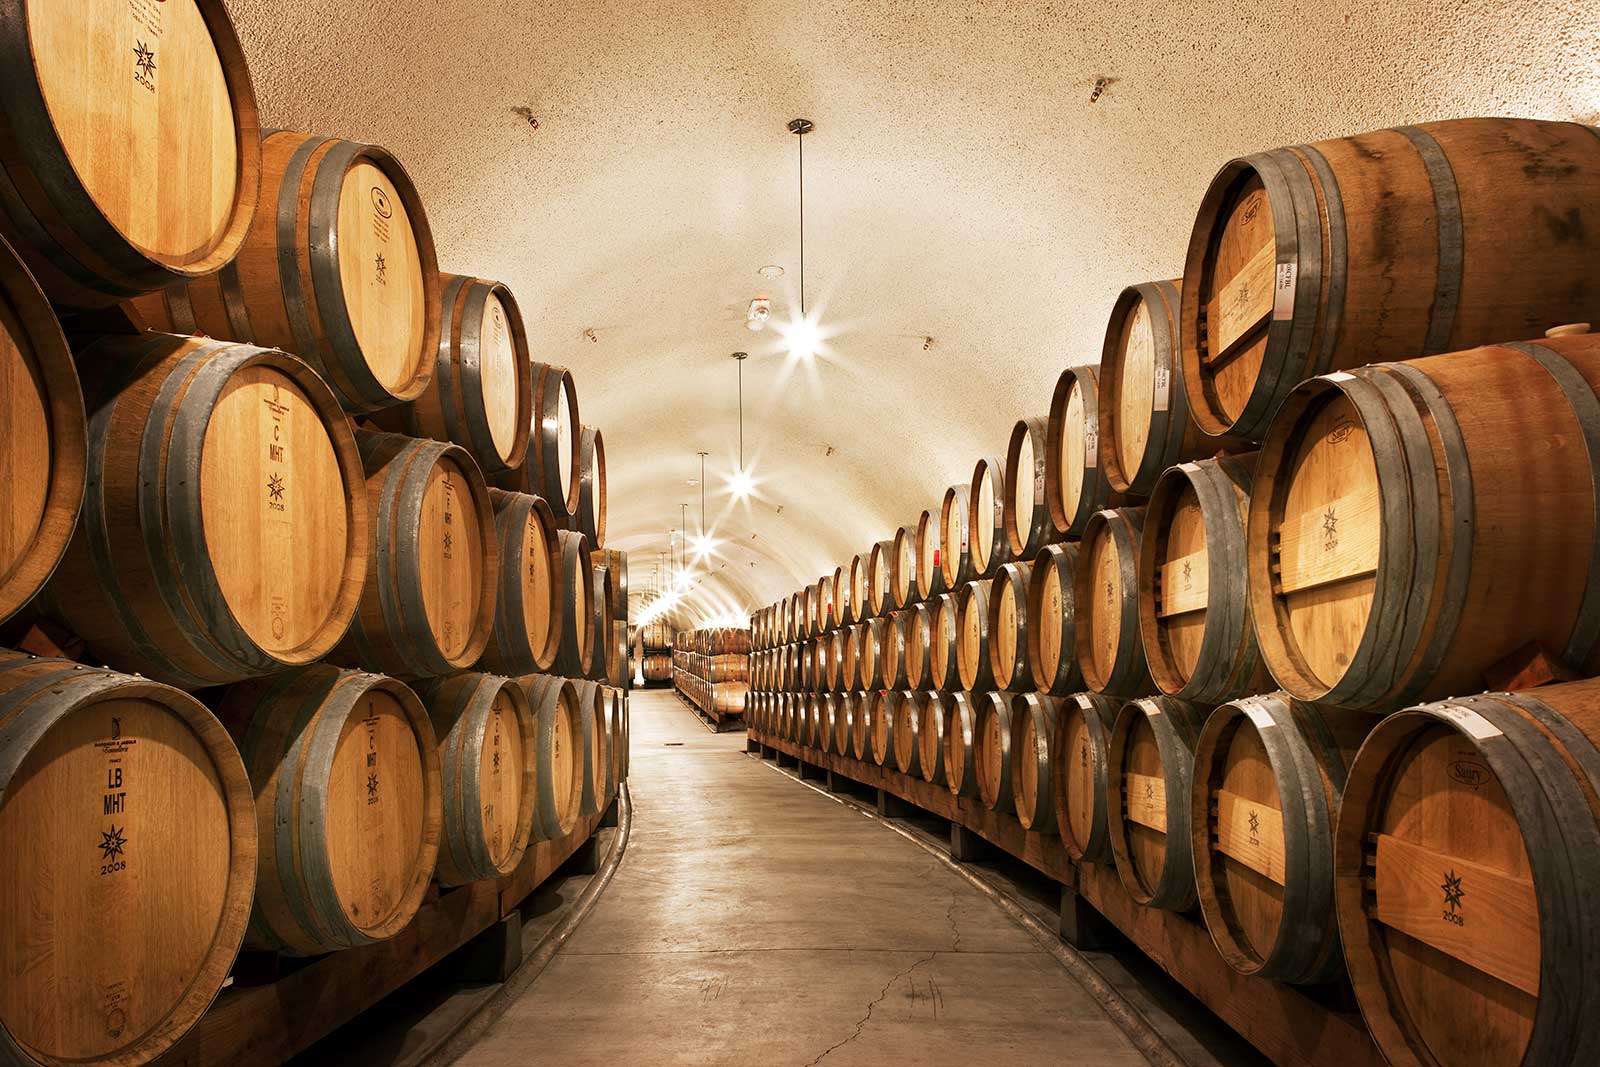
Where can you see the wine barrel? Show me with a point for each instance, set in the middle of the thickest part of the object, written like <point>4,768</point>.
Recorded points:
<point>176,570</point>
<point>1075,485</point>
<point>849,652</point>
<point>842,710</point>
<point>842,614</point>
<point>1007,624</point>
<point>121,184</point>
<point>574,650</point>
<point>345,768</point>
<point>934,715</point>
<point>960,737</point>
<point>592,726</point>
<point>955,538</point>
<point>1194,614</point>
<point>617,652</point>
<point>43,451</point>
<point>991,740</point>
<point>1144,411</point>
<point>863,723</point>
<point>1033,738</point>
<point>486,736</point>
<point>882,742</point>
<point>1268,773</point>
<point>973,664</point>
<point>1105,594</point>
<point>1025,509</point>
<point>528,608</point>
<point>825,620</point>
<point>616,739</point>
<point>590,517</point>
<point>861,607</point>
<point>148,774</point>
<point>1150,770</point>
<point>601,648</point>
<point>338,268</point>
<point>930,569</point>
<point>887,635</point>
<point>813,609</point>
<point>916,639</point>
<point>827,726</point>
<point>552,467</point>
<point>943,639</point>
<point>1467,849</point>
<point>1079,775</point>
<point>434,566</point>
<point>481,394</point>
<point>1393,503</point>
<point>986,499</point>
<point>904,590</point>
<point>557,755</point>
<point>1052,622</point>
<point>1312,259</point>
<point>907,732</point>
<point>880,578</point>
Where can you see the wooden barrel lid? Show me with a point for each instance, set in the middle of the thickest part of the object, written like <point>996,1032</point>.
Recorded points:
<point>278,550</point>
<point>955,537</point>
<point>992,755</point>
<point>1234,287</point>
<point>1325,529</point>
<point>1105,599</point>
<point>986,516</point>
<point>1033,735</point>
<point>43,450</point>
<point>930,573</point>
<point>452,551</point>
<point>109,774</point>
<point>1081,775</point>
<point>930,737</point>
<point>499,370</point>
<point>1150,764</point>
<point>139,100</point>
<point>1180,587</point>
<point>1135,393</point>
<point>381,273</point>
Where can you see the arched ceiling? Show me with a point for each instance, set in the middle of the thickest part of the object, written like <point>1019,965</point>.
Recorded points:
<point>960,186</point>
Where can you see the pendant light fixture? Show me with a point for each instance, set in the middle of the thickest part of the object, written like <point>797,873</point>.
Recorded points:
<point>801,335</point>
<point>742,484</point>
<point>703,543</point>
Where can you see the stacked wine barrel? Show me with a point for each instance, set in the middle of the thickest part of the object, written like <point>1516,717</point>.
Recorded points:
<point>655,651</point>
<point>326,543</point>
<point>1203,616</point>
<point>711,669</point>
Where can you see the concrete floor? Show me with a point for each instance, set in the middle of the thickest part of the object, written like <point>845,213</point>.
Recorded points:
<point>755,922</point>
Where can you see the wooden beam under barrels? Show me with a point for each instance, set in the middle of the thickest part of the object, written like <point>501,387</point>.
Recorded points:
<point>1280,1020</point>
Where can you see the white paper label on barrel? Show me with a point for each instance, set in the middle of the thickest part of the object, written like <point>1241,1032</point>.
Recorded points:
<point>1163,381</point>
<point>1038,482</point>
<point>1470,722</point>
<point>1283,292</point>
<point>1259,717</point>
<point>1091,446</point>
<point>1340,376</point>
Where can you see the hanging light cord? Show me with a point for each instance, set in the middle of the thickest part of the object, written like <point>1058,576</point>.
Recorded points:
<point>801,138</point>
<point>741,414</point>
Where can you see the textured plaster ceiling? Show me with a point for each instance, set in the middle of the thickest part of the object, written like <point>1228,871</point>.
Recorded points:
<point>960,186</point>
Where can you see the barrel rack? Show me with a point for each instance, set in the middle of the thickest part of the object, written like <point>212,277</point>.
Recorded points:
<point>714,721</point>
<point>1292,1026</point>
<point>279,1006</point>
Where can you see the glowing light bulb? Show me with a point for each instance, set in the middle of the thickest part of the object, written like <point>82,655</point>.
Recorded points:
<point>703,546</point>
<point>803,338</point>
<point>741,484</point>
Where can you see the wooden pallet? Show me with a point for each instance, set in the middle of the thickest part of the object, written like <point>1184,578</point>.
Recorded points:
<point>715,721</point>
<point>262,1025</point>
<point>1284,1022</point>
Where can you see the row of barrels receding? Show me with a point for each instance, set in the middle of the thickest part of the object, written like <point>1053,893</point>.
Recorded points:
<point>1438,856</point>
<point>711,668</point>
<point>317,806</point>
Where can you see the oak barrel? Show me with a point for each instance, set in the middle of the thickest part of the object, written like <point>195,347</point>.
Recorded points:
<point>986,498</point>
<point>481,393</point>
<point>1075,485</point>
<point>880,578</point>
<point>1194,614</point>
<point>528,608</point>
<point>338,268</point>
<point>916,638</point>
<point>905,589</point>
<point>955,538</point>
<point>973,664</point>
<point>943,632</point>
<point>934,714</point>
<point>1398,243</point>
<point>577,594</point>
<point>991,742</point>
<point>130,152</point>
<point>345,768</point>
<point>1025,507</point>
<point>1465,859</point>
<point>590,518</point>
<point>861,607</point>
<point>930,569</point>
<point>43,452</point>
<point>434,566</point>
<point>1413,525</point>
<point>1052,621</point>
<point>842,614</point>
<point>1008,628</point>
<point>486,734</point>
<point>592,733</point>
<point>960,739</point>
<point>1080,774</point>
<point>1268,774</point>
<point>885,716</point>
<point>908,706</point>
<point>152,780</point>
<point>1033,740</point>
<point>862,724</point>
<point>551,467</point>
<point>556,756</point>
<point>1150,771</point>
<point>842,711</point>
<point>1144,412</point>
<point>1105,594</point>
<point>224,531</point>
